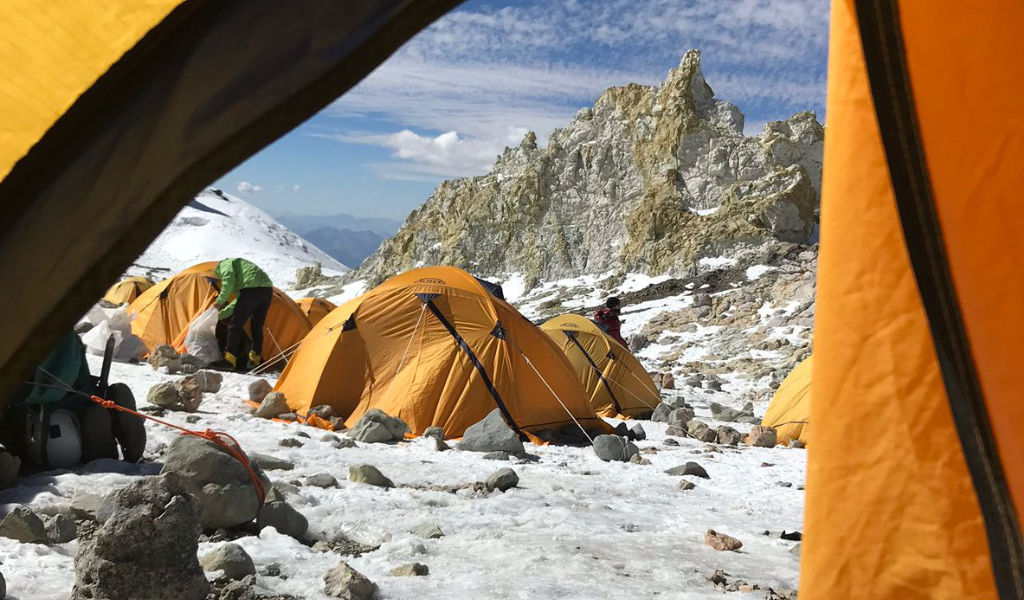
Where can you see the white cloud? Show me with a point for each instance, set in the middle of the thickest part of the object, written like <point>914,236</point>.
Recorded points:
<point>249,188</point>
<point>296,187</point>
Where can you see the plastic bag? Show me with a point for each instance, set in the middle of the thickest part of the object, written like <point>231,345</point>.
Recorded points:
<point>201,339</point>
<point>126,345</point>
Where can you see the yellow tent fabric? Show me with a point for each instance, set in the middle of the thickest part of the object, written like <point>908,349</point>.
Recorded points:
<point>127,289</point>
<point>164,312</point>
<point>615,381</point>
<point>790,408</point>
<point>315,308</point>
<point>434,348</point>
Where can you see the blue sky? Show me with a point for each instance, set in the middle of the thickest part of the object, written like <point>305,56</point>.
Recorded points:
<point>475,81</point>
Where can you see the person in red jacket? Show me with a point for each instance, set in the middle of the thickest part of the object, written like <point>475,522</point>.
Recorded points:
<point>607,319</point>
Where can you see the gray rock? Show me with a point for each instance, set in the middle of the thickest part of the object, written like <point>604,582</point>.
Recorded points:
<point>303,434</point>
<point>164,394</point>
<point>638,342</point>
<point>3,587</point>
<point>614,448</point>
<point>636,459</point>
<point>322,480</point>
<point>637,432</point>
<point>330,437</point>
<point>728,435</point>
<point>439,444</point>
<point>622,430</point>
<point>667,381</point>
<point>797,444</point>
<point>369,475</point>
<point>289,443</point>
<point>670,442</point>
<point>190,393</point>
<point>271,463</point>
<point>371,432</point>
<point>345,582</point>
<point>284,518</point>
<point>344,443</point>
<point>690,468</point>
<point>763,437</point>
<point>61,528</point>
<point>147,549</point>
<point>24,525</point>
<point>106,507</point>
<point>679,417</point>
<point>499,455</point>
<point>686,485</point>
<point>324,411</point>
<point>411,570</point>
<point>9,466</point>
<point>165,356</point>
<point>427,530</point>
<point>378,426</point>
<point>226,494</point>
<point>258,390</point>
<point>231,559</point>
<point>491,434</point>
<point>661,412</point>
<point>434,432</point>
<point>676,431</point>
<point>85,503</point>
<point>502,480</point>
<point>723,413</point>
<point>701,431</point>
<point>273,404</point>
<point>210,380</point>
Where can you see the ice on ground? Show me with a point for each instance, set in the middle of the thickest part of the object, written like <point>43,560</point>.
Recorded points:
<point>758,270</point>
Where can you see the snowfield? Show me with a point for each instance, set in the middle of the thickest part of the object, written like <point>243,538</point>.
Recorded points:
<point>575,527</point>
<point>215,226</point>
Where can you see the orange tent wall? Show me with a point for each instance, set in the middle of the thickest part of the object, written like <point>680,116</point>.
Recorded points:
<point>315,308</point>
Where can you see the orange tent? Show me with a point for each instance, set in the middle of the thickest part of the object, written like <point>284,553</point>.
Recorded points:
<point>164,312</point>
<point>433,347</point>
<point>315,308</point>
<point>790,407</point>
<point>127,289</point>
<point>615,381</point>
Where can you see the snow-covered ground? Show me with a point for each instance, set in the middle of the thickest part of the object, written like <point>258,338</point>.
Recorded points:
<point>215,226</point>
<point>576,527</point>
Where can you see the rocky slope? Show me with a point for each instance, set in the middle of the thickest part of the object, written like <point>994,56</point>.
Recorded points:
<point>650,180</point>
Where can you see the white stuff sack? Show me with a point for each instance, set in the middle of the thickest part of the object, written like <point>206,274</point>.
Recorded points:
<point>201,339</point>
<point>127,346</point>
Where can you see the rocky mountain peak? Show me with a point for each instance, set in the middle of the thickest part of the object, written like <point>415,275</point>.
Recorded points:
<point>650,179</point>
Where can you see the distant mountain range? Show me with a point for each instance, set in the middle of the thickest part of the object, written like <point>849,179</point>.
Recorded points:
<point>301,224</point>
<point>346,238</point>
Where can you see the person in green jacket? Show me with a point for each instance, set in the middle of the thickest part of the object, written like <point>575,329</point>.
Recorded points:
<point>245,293</point>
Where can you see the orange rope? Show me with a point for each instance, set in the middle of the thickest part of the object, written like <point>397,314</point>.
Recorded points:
<point>217,437</point>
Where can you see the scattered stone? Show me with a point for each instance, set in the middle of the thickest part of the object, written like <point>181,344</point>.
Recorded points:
<point>638,342</point>
<point>661,412</point>
<point>762,437</point>
<point>797,444</point>
<point>323,411</point>
<point>273,404</point>
<point>330,437</point>
<point>613,448</point>
<point>322,480</point>
<point>288,416</point>
<point>434,432</point>
<point>258,390</point>
<point>225,493</point>
<point>690,468</point>
<point>637,432</point>
<point>85,503</point>
<point>165,356</point>
<point>722,413</point>
<point>345,582</point>
<point>61,529</point>
<point>667,381</point>
<point>622,430</point>
<point>284,518</point>
<point>209,380</point>
<point>793,536</point>
<point>193,419</point>
<point>376,426</point>
<point>9,466</point>
<point>231,559</point>
<point>290,443</point>
<point>164,394</point>
<point>24,525</point>
<point>784,484</point>
<point>679,417</point>
<point>491,434</point>
<point>303,434</point>
<point>671,442</point>
<point>270,463</point>
<point>190,393</point>
<point>685,484</point>
<point>748,420</point>
<point>369,475</point>
<point>721,541</point>
<point>499,455</point>
<point>729,436</point>
<point>344,443</point>
<point>795,549</point>
<point>639,460</point>
<point>427,530</point>
<point>502,480</point>
<point>147,548</point>
<point>411,570</point>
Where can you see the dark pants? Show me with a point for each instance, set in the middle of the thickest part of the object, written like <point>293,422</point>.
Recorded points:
<point>252,303</point>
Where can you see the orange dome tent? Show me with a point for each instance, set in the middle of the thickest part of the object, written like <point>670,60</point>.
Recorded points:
<point>434,348</point>
<point>791,405</point>
<point>127,289</point>
<point>164,312</point>
<point>315,308</point>
<point>615,381</point>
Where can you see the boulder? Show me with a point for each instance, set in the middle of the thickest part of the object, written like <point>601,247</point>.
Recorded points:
<point>760,436</point>
<point>284,518</point>
<point>700,431</point>
<point>61,528</point>
<point>371,432</point>
<point>637,432</point>
<point>679,417</point>
<point>502,480</point>
<point>273,404</point>
<point>322,480</point>
<point>729,436</point>
<point>661,412</point>
<point>231,559</point>
<point>210,380</point>
<point>721,541</point>
<point>369,475</point>
<point>427,530</point>
<point>395,427</point>
<point>411,570</point>
<point>270,463</point>
<point>9,466</point>
<point>723,413</point>
<point>226,495</point>
<point>258,390</point>
<point>614,448</point>
<point>147,548</point>
<point>690,468</point>
<point>345,582</point>
<point>85,503</point>
<point>491,434</point>
<point>499,455</point>
<point>24,525</point>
